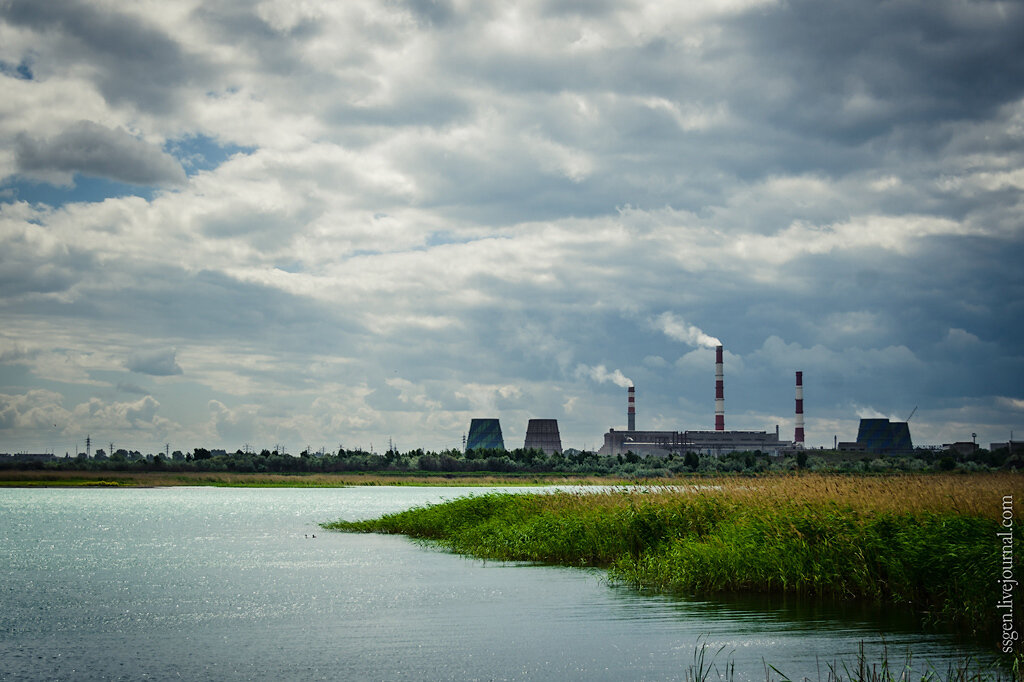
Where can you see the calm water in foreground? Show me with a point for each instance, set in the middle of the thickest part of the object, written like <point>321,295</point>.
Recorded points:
<point>224,584</point>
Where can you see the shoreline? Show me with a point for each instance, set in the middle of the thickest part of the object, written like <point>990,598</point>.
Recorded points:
<point>924,544</point>
<point>26,478</point>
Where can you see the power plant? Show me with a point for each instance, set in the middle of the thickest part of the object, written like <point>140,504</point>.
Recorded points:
<point>542,434</point>
<point>718,441</point>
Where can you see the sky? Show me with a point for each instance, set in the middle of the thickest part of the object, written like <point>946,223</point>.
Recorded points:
<point>293,223</point>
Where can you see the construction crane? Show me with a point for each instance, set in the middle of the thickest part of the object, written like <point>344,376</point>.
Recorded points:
<point>912,412</point>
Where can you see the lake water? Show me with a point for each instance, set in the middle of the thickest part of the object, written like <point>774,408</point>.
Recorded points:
<point>224,584</point>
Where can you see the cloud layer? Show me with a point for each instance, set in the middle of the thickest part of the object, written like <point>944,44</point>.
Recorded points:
<point>337,223</point>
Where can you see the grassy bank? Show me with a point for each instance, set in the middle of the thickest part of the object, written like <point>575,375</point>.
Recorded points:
<point>921,542</point>
<point>150,479</point>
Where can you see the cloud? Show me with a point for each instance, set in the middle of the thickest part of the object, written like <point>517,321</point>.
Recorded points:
<point>1012,403</point>
<point>411,394</point>
<point>133,60</point>
<point>159,363</point>
<point>475,198</point>
<point>91,149</point>
<point>126,387</point>
<point>488,398</point>
<point>122,416</point>
<point>35,409</point>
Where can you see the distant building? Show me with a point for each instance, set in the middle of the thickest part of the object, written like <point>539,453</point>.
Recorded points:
<point>28,457</point>
<point>1014,446</point>
<point>881,436</point>
<point>661,443</point>
<point>542,434</point>
<point>485,434</point>
<point>962,448</point>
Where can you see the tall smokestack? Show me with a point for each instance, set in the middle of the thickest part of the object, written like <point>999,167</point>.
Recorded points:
<point>798,436</point>
<point>631,409</point>
<point>719,390</point>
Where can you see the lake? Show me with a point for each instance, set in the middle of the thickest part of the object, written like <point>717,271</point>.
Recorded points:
<point>230,584</point>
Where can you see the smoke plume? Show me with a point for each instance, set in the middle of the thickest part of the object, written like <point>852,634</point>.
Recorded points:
<point>601,375</point>
<point>676,328</point>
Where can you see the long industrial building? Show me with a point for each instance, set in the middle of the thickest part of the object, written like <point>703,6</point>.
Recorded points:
<point>715,442</point>
<point>703,442</point>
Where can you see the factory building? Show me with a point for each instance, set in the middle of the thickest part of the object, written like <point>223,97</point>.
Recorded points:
<point>542,434</point>
<point>881,436</point>
<point>715,442</point>
<point>662,443</point>
<point>485,434</point>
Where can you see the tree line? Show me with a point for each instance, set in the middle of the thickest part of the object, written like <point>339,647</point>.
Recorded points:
<point>519,461</point>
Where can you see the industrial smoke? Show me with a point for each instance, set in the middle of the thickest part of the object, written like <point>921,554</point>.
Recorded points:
<point>678,329</point>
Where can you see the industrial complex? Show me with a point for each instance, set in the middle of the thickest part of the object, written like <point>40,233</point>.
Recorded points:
<point>876,436</point>
<point>718,441</point>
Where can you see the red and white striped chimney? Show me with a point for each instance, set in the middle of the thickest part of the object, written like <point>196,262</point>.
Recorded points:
<point>631,410</point>
<point>798,436</point>
<point>719,390</point>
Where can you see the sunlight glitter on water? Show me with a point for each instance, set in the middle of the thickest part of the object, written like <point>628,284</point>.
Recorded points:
<point>214,583</point>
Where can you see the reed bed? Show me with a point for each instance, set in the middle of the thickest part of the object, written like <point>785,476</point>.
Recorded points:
<point>921,542</point>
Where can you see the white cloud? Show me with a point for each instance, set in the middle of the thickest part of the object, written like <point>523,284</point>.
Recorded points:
<point>410,393</point>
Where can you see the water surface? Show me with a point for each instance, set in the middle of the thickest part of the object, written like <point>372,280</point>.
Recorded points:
<point>230,584</point>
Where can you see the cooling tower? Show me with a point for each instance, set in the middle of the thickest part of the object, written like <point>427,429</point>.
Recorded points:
<point>485,434</point>
<point>885,437</point>
<point>542,434</point>
<point>798,435</point>
<point>719,390</point>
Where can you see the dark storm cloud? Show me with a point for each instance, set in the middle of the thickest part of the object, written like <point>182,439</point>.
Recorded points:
<point>856,70</point>
<point>91,149</point>
<point>158,363</point>
<point>134,61</point>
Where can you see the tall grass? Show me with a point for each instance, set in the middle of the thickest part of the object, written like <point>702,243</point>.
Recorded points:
<point>925,543</point>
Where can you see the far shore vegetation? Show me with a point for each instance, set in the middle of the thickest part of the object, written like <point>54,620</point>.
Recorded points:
<point>924,543</point>
<point>201,466</point>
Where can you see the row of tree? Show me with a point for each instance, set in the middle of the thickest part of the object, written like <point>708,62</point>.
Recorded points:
<point>523,461</point>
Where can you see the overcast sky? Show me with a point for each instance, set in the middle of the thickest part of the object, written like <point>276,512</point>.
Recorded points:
<point>301,223</point>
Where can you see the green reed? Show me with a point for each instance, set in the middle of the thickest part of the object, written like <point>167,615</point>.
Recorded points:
<point>941,564</point>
